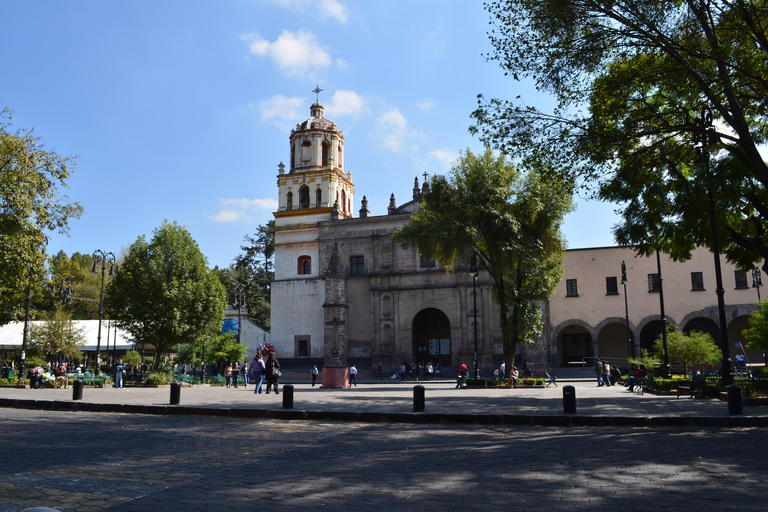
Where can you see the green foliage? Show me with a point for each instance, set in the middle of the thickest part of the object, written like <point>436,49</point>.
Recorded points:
<point>190,354</point>
<point>224,348</point>
<point>31,179</point>
<point>511,219</point>
<point>647,359</point>
<point>132,358</point>
<point>629,79</point>
<point>757,332</point>
<point>163,293</point>
<point>159,378</point>
<point>695,347</point>
<point>57,336</point>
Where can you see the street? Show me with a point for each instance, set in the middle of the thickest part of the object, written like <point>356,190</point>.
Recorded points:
<point>88,462</point>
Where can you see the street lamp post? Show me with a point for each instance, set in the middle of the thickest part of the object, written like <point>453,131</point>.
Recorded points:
<point>100,257</point>
<point>757,281</point>
<point>705,138</point>
<point>239,302</point>
<point>624,281</point>
<point>666,370</point>
<point>473,272</point>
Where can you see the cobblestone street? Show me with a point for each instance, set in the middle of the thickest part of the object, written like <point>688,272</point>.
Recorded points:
<point>88,462</point>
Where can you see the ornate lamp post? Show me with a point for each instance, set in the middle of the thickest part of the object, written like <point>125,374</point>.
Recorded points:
<point>624,281</point>
<point>100,257</point>
<point>239,302</point>
<point>666,370</point>
<point>473,272</point>
<point>65,292</point>
<point>704,138</point>
<point>757,281</point>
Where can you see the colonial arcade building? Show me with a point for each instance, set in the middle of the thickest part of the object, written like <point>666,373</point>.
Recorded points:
<point>344,293</point>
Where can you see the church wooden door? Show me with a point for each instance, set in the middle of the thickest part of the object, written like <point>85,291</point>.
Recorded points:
<point>431,335</point>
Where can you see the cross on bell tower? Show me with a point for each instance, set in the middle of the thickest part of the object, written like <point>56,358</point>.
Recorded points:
<point>317,90</point>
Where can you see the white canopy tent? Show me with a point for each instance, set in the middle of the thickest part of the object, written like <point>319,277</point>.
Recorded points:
<point>12,336</point>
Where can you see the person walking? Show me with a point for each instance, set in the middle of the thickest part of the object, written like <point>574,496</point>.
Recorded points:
<point>606,370</point>
<point>599,372</point>
<point>313,373</point>
<point>244,371</point>
<point>273,372</point>
<point>429,370</point>
<point>378,372</point>
<point>353,375</point>
<point>228,375</point>
<point>258,370</point>
<point>236,373</point>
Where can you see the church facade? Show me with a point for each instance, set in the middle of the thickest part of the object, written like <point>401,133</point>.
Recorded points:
<point>344,293</point>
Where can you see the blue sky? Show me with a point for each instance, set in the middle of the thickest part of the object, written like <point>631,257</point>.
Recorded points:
<point>181,109</point>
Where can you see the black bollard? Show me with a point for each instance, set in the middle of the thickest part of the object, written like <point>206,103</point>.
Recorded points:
<point>288,396</point>
<point>418,398</point>
<point>734,400</point>
<point>77,390</point>
<point>175,393</point>
<point>569,400</point>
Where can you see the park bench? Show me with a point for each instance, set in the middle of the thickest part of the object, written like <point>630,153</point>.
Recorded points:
<point>695,385</point>
<point>91,379</point>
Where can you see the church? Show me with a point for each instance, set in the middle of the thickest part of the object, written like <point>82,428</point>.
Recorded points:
<point>344,293</point>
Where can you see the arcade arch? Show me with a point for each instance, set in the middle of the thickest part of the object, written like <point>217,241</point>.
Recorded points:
<point>431,337</point>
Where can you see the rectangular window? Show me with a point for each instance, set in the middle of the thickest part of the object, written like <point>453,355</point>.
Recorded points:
<point>571,290</point>
<point>427,262</point>
<point>357,265</point>
<point>697,281</point>
<point>741,279</point>
<point>611,286</point>
<point>653,283</point>
<point>302,345</point>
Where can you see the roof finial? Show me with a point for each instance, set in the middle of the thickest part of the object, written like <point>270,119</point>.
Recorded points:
<point>317,90</point>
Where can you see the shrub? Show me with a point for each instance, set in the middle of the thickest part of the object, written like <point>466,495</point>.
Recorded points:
<point>159,378</point>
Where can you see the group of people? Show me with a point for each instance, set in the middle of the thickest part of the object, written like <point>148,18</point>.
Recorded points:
<point>606,376</point>
<point>422,371</point>
<point>260,370</point>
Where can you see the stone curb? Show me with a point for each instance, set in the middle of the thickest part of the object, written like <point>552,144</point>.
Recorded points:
<point>570,420</point>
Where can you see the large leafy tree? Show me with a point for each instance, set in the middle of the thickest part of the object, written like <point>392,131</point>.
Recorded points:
<point>757,333</point>
<point>163,293</point>
<point>75,273</point>
<point>511,219</point>
<point>31,178</point>
<point>629,80</point>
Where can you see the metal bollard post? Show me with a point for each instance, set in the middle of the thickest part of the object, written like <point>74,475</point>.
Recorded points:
<point>175,393</point>
<point>418,398</point>
<point>77,390</point>
<point>734,400</point>
<point>569,400</point>
<point>288,396</point>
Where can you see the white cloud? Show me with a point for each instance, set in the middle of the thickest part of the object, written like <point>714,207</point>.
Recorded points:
<point>327,8</point>
<point>284,112</point>
<point>445,156</point>
<point>393,130</point>
<point>241,209</point>
<point>295,53</point>
<point>427,104</point>
<point>334,9</point>
<point>345,103</point>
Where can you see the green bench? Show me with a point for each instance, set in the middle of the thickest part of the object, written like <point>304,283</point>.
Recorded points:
<point>88,378</point>
<point>696,384</point>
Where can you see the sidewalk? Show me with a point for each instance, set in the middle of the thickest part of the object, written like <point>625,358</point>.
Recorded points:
<point>394,402</point>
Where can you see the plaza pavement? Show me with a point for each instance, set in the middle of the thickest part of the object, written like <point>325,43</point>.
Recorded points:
<point>393,401</point>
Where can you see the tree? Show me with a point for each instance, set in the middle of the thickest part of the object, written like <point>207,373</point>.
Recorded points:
<point>253,272</point>
<point>511,219</point>
<point>629,79</point>
<point>694,347</point>
<point>224,348</point>
<point>30,204</point>
<point>163,293</point>
<point>757,333</point>
<point>57,337</point>
<point>190,354</point>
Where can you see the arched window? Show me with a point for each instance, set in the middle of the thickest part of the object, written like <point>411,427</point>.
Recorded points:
<point>339,160</point>
<point>304,265</point>
<point>318,198</point>
<point>304,197</point>
<point>289,201</point>
<point>293,156</point>
<point>343,202</point>
<point>326,152</point>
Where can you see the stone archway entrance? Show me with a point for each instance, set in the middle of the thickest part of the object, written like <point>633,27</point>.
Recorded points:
<point>431,335</point>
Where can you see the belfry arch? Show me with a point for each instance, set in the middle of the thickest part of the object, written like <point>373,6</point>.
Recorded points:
<point>431,335</point>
